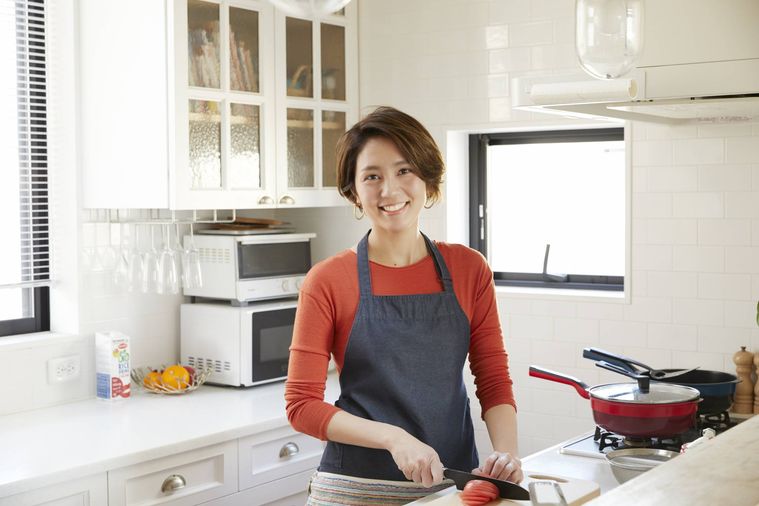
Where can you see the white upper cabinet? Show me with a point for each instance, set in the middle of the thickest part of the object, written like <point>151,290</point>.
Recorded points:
<point>180,106</point>
<point>317,99</point>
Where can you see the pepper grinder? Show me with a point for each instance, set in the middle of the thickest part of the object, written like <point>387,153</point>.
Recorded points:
<point>756,388</point>
<point>744,391</point>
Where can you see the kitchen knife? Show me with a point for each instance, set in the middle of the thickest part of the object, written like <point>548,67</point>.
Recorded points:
<point>506,489</point>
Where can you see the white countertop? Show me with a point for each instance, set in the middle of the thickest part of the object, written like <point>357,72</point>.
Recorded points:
<point>54,444</point>
<point>550,461</point>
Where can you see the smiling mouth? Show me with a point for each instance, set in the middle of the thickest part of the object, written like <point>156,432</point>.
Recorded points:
<point>394,207</point>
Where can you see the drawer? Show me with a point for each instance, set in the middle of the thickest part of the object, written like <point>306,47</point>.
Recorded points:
<point>275,454</point>
<point>88,491</point>
<point>289,491</point>
<point>199,475</point>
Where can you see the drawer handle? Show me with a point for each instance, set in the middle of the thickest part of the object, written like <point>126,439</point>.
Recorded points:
<point>265,200</point>
<point>173,483</point>
<point>287,199</point>
<point>288,450</point>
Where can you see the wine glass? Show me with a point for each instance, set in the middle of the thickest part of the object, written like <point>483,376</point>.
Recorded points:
<point>177,251</point>
<point>193,275</point>
<point>168,276</point>
<point>150,266</point>
<point>108,253</point>
<point>134,262</point>
<point>121,272</point>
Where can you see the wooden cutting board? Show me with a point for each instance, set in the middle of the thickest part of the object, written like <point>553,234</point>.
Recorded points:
<point>575,491</point>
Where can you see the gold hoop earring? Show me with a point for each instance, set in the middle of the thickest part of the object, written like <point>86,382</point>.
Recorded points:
<point>429,203</point>
<point>355,214</point>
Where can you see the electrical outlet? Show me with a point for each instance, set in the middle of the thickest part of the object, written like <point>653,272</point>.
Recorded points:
<point>63,369</point>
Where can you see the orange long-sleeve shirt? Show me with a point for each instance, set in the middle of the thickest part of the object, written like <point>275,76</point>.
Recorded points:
<point>327,306</point>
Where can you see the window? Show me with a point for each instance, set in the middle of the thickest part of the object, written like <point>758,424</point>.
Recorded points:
<point>24,248</point>
<point>547,208</point>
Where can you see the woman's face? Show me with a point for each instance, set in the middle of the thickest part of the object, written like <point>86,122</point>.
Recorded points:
<point>388,189</point>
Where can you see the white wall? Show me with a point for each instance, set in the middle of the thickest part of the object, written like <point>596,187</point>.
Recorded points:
<point>695,201</point>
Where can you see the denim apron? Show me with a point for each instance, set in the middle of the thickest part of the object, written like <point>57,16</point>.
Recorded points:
<point>404,366</point>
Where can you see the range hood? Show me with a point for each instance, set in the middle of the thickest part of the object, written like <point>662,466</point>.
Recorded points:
<point>700,63</point>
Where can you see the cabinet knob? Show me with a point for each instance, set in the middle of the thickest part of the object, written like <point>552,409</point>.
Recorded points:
<point>288,450</point>
<point>265,201</point>
<point>173,483</point>
<point>287,199</point>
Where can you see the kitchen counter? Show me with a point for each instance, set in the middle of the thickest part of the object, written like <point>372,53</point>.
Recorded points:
<point>59,443</point>
<point>724,471</point>
<point>550,461</point>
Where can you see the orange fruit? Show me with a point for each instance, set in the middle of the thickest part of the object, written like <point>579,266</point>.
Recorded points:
<point>152,380</point>
<point>176,377</point>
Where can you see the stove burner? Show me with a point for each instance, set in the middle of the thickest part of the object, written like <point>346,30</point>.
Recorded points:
<point>720,422</point>
<point>606,439</point>
<point>636,443</point>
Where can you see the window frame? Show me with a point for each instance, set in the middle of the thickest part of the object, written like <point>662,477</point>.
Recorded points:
<point>479,219</point>
<point>35,152</point>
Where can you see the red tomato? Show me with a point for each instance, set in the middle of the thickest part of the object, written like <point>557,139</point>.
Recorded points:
<point>478,492</point>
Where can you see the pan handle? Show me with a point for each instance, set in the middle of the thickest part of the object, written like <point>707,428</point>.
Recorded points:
<point>644,382</point>
<point>610,358</point>
<point>539,372</point>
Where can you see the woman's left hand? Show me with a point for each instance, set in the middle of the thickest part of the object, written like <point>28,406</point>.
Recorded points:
<point>502,466</point>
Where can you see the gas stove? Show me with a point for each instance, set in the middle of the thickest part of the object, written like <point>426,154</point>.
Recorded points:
<point>601,442</point>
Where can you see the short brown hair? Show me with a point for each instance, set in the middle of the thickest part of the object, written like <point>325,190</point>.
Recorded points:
<point>410,137</point>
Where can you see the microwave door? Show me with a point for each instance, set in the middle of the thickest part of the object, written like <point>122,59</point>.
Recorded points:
<point>271,335</point>
<point>273,259</point>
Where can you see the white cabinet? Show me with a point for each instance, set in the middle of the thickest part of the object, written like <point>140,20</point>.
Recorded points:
<point>87,491</point>
<point>276,454</point>
<point>182,108</point>
<point>288,491</point>
<point>317,85</point>
<point>182,479</point>
<point>177,107</point>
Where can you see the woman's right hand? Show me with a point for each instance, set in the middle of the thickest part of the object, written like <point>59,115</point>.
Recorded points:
<point>417,461</point>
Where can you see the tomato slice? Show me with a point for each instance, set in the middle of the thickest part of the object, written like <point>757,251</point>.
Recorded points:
<point>478,492</point>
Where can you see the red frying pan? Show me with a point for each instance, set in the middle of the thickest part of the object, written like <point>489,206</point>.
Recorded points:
<point>636,410</point>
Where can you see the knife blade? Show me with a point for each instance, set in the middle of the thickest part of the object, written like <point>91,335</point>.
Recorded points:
<point>506,489</point>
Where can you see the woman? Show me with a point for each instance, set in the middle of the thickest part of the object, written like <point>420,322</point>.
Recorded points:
<point>399,313</point>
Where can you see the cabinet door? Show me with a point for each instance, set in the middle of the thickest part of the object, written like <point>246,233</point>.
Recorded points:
<point>123,103</point>
<point>183,479</point>
<point>288,491</point>
<point>224,105</point>
<point>317,92</point>
<point>276,454</point>
<point>89,491</point>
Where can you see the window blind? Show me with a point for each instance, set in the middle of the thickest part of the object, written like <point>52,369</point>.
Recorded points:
<point>24,248</point>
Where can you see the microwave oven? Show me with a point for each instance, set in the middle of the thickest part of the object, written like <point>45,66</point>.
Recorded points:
<point>242,345</point>
<point>243,268</point>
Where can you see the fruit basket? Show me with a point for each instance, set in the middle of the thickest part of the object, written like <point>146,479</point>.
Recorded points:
<point>172,379</point>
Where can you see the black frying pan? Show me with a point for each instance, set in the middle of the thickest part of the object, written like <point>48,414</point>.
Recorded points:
<point>716,387</point>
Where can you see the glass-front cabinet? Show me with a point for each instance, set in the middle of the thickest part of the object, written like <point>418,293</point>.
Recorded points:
<point>213,104</point>
<point>317,100</point>
<point>225,112</point>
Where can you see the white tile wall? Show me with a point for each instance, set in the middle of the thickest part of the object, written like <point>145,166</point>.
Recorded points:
<point>695,205</point>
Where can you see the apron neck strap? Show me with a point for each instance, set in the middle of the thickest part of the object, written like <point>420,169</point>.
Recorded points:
<point>364,276</point>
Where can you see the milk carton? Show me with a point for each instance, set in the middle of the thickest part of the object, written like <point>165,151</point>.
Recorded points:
<point>112,365</point>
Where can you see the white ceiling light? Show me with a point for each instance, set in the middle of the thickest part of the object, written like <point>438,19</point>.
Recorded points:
<point>608,36</point>
<point>309,8</point>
